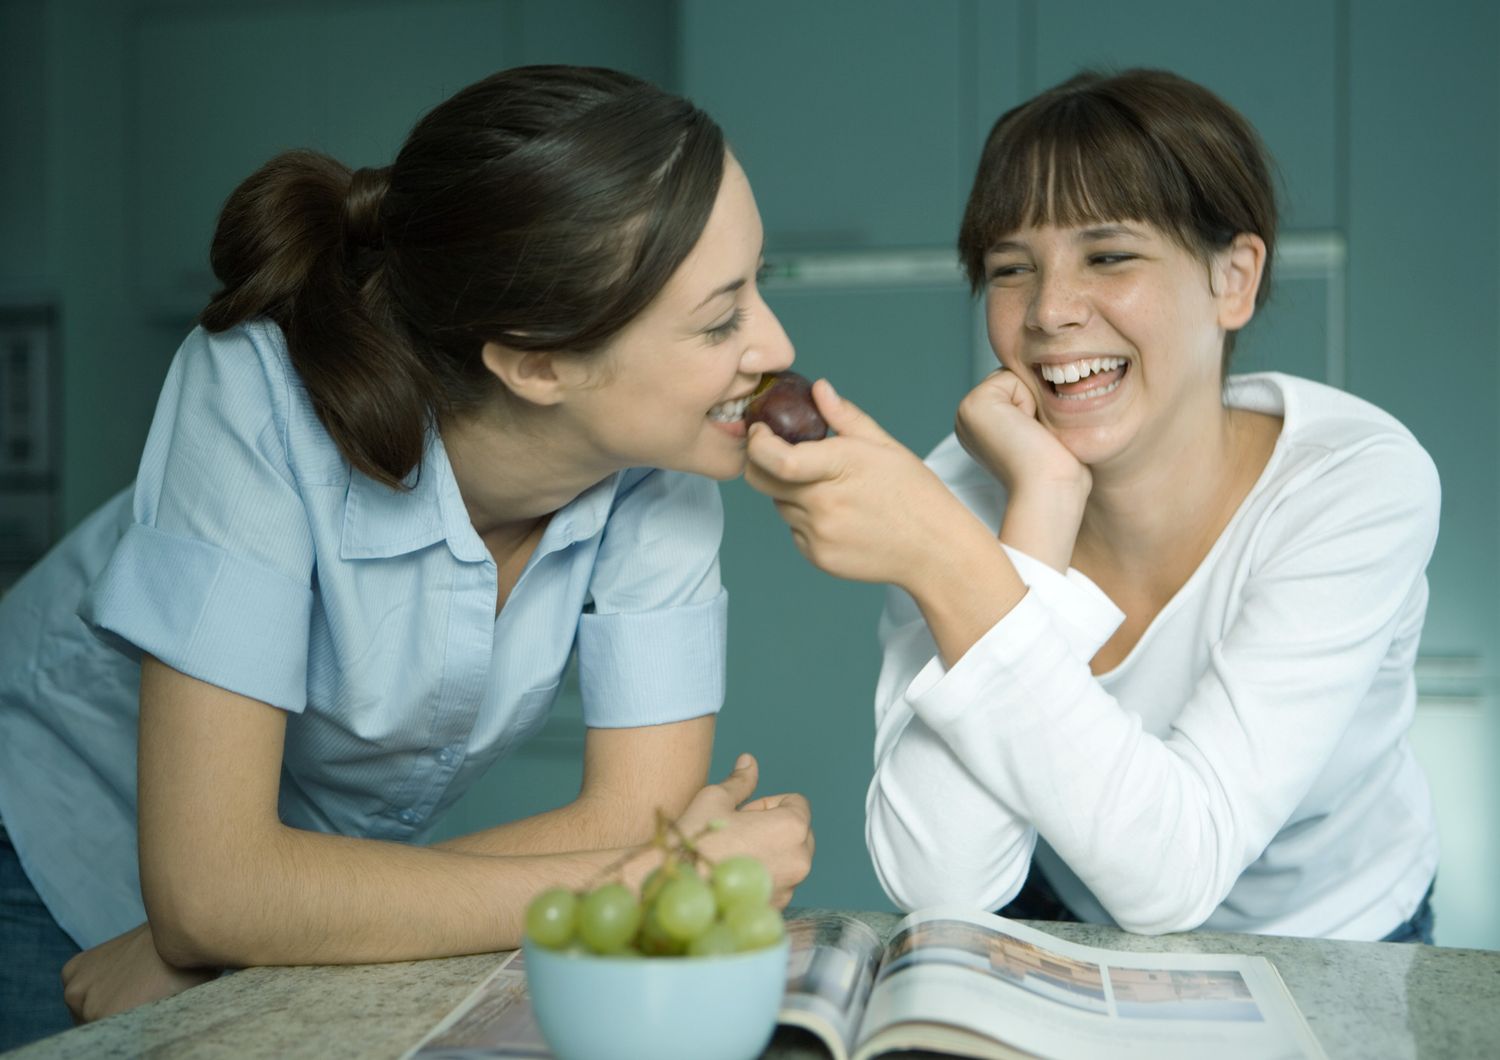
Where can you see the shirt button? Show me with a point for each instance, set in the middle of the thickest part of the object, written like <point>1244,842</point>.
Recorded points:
<point>447,756</point>
<point>408,817</point>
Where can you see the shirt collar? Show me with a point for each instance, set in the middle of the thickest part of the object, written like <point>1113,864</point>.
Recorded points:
<point>380,522</point>
<point>585,515</point>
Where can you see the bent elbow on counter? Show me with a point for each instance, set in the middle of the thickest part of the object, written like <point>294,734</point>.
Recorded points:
<point>916,879</point>
<point>919,890</point>
<point>188,929</point>
<point>1160,913</point>
<point>200,913</point>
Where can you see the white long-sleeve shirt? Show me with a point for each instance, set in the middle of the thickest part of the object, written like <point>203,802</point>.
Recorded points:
<point>1244,768</point>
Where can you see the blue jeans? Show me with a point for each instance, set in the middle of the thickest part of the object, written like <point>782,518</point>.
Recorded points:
<point>1419,927</point>
<point>1038,901</point>
<point>34,949</point>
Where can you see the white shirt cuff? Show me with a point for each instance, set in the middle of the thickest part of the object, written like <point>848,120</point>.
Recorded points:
<point>1069,608</point>
<point>1084,616</point>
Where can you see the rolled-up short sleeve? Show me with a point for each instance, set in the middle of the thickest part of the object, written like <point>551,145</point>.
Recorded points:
<point>651,647</point>
<point>214,575</point>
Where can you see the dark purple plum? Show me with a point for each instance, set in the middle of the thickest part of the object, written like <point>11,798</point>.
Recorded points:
<point>784,403</point>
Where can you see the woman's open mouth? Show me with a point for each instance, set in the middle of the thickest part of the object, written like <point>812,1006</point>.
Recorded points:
<point>729,411</point>
<point>1084,379</point>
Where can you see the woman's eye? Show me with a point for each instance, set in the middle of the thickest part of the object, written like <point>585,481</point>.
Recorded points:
<point>719,332</point>
<point>1005,272</point>
<point>1110,258</point>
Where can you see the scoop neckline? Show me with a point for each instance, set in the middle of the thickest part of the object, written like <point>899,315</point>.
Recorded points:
<point>1187,587</point>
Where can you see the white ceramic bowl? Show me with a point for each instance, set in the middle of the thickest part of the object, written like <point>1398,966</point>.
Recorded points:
<point>656,1008</point>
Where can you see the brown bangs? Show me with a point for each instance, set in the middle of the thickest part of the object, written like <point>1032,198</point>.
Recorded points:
<point>1142,145</point>
<point>1078,161</point>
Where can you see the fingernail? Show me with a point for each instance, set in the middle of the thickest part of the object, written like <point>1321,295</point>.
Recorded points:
<point>742,762</point>
<point>832,392</point>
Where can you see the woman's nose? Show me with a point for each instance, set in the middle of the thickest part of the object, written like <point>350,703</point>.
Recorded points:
<point>1057,303</point>
<point>769,349</point>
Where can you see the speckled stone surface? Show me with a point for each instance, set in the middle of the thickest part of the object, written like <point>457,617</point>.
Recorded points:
<point>1363,1000</point>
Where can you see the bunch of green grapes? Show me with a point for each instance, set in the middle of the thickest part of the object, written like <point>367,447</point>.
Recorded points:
<point>679,912</point>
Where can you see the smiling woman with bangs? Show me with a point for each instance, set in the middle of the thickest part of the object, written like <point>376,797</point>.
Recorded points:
<point>1151,633</point>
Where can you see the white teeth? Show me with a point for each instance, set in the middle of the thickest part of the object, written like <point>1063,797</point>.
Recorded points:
<point>729,411</point>
<point>1082,369</point>
<point>1099,391</point>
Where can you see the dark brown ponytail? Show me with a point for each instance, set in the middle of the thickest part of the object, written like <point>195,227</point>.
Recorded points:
<point>543,207</point>
<point>286,247</point>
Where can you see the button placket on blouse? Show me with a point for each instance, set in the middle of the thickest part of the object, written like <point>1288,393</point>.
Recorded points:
<point>466,667</point>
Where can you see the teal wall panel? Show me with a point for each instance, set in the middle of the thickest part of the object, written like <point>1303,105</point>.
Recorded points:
<point>802,652</point>
<point>23,160</point>
<point>111,370</point>
<point>639,36</point>
<point>1277,61</point>
<point>847,119</point>
<point>1290,334</point>
<point>1424,334</point>
<point>1002,53</point>
<point>1423,323</point>
<point>206,110</point>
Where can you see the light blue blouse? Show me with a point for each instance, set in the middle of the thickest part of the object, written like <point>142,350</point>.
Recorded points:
<point>250,556</point>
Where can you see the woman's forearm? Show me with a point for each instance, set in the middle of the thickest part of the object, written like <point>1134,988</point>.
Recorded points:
<point>295,897</point>
<point>628,775</point>
<point>581,825</point>
<point>1043,522</point>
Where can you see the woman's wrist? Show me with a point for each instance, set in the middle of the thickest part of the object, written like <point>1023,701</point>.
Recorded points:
<point>1043,520</point>
<point>963,591</point>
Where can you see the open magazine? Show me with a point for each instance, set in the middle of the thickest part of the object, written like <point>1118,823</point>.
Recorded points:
<point>971,985</point>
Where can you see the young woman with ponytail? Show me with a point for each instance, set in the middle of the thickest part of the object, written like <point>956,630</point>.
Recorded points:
<point>447,423</point>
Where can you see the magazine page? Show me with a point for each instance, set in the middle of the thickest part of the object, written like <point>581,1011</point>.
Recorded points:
<point>1042,995</point>
<point>830,970</point>
<point>494,1021</point>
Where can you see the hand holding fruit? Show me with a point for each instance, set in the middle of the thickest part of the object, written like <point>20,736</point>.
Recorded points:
<point>784,403</point>
<point>861,505</point>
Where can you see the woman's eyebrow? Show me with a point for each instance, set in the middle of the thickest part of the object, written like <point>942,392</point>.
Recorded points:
<point>1098,232</point>
<point>732,285</point>
<point>728,288</point>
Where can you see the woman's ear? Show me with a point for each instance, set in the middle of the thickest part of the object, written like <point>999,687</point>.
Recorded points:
<point>531,375</point>
<point>1240,269</point>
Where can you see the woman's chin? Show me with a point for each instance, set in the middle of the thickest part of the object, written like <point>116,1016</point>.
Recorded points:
<point>719,466</point>
<point>1089,446</point>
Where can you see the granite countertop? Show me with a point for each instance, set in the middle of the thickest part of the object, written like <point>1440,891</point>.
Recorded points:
<point>1362,999</point>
